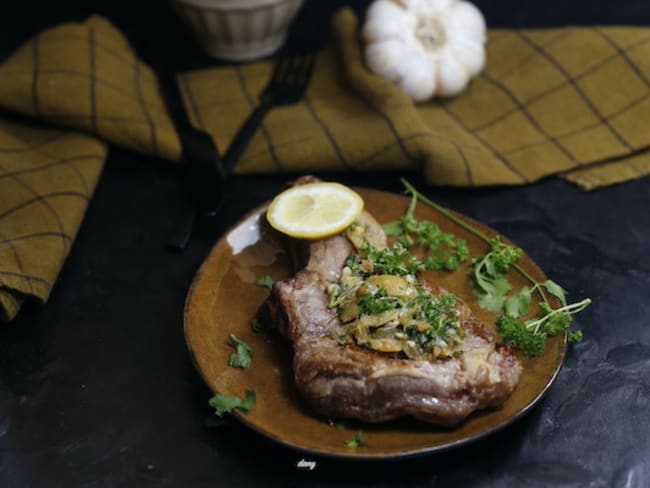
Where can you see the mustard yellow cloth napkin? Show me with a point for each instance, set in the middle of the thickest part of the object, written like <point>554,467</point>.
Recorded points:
<point>47,177</point>
<point>81,76</point>
<point>573,102</point>
<point>570,101</point>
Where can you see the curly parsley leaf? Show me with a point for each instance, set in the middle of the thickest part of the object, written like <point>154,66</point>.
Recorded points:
<point>531,335</point>
<point>265,282</point>
<point>243,355</point>
<point>515,333</point>
<point>491,287</point>
<point>224,404</point>
<point>575,336</point>
<point>358,441</point>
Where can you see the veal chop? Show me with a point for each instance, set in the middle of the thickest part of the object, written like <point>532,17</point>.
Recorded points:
<point>343,371</point>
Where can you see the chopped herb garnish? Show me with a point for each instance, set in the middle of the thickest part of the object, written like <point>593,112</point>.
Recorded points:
<point>224,404</point>
<point>265,282</point>
<point>243,356</point>
<point>396,260</point>
<point>377,302</point>
<point>492,287</point>
<point>575,336</point>
<point>358,441</point>
<point>395,314</point>
<point>488,274</point>
<point>445,250</point>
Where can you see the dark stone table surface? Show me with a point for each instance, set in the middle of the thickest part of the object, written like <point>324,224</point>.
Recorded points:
<point>97,388</point>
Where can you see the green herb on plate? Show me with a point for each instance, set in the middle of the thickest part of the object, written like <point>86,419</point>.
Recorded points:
<point>358,441</point>
<point>444,250</point>
<point>490,284</point>
<point>224,404</point>
<point>531,335</point>
<point>243,356</point>
<point>265,282</point>
<point>491,287</point>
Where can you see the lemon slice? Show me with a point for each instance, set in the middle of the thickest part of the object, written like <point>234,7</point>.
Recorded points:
<point>314,210</point>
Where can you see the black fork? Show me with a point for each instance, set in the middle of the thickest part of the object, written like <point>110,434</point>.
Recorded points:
<point>287,85</point>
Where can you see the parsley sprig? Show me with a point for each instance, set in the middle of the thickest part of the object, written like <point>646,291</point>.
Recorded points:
<point>531,335</point>
<point>488,274</point>
<point>243,355</point>
<point>445,250</point>
<point>491,286</point>
<point>395,260</point>
<point>224,404</point>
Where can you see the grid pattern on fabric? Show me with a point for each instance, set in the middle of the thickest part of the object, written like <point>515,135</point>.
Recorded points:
<point>553,101</point>
<point>569,101</point>
<point>86,76</point>
<point>47,178</point>
<point>550,101</point>
<point>320,133</point>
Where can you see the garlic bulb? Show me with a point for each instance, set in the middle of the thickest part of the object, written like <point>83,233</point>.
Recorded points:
<point>427,47</point>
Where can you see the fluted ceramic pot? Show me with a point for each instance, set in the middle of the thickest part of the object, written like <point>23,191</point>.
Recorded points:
<point>238,30</point>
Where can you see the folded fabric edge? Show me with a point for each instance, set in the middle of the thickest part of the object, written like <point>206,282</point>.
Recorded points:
<point>58,164</point>
<point>610,172</point>
<point>10,304</point>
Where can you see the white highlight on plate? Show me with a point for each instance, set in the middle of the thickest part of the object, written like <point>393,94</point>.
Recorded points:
<point>246,234</point>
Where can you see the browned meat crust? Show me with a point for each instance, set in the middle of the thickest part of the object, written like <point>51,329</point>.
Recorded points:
<point>343,380</point>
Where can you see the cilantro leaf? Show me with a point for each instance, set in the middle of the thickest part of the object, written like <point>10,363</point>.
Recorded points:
<point>265,282</point>
<point>243,356</point>
<point>224,404</point>
<point>519,303</point>
<point>491,286</point>
<point>394,228</point>
<point>556,290</point>
<point>491,301</point>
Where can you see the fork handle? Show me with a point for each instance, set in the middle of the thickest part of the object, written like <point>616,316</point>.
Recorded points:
<point>243,137</point>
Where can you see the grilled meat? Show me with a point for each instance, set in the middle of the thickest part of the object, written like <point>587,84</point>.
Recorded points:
<point>340,379</point>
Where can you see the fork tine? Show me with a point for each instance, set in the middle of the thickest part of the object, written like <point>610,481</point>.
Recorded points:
<point>282,68</point>
<point>287,84</point>
<point>302,65</point>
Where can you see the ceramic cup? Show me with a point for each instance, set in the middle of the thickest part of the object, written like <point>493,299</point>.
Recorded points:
<point>238,30</point>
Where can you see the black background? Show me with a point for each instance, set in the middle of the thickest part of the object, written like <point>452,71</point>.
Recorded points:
<point>97,388</point>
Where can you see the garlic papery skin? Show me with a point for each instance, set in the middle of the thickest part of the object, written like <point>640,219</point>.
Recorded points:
<point>428,48</point>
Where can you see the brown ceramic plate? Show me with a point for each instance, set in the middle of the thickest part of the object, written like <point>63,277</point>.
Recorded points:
<point>224,299</point>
